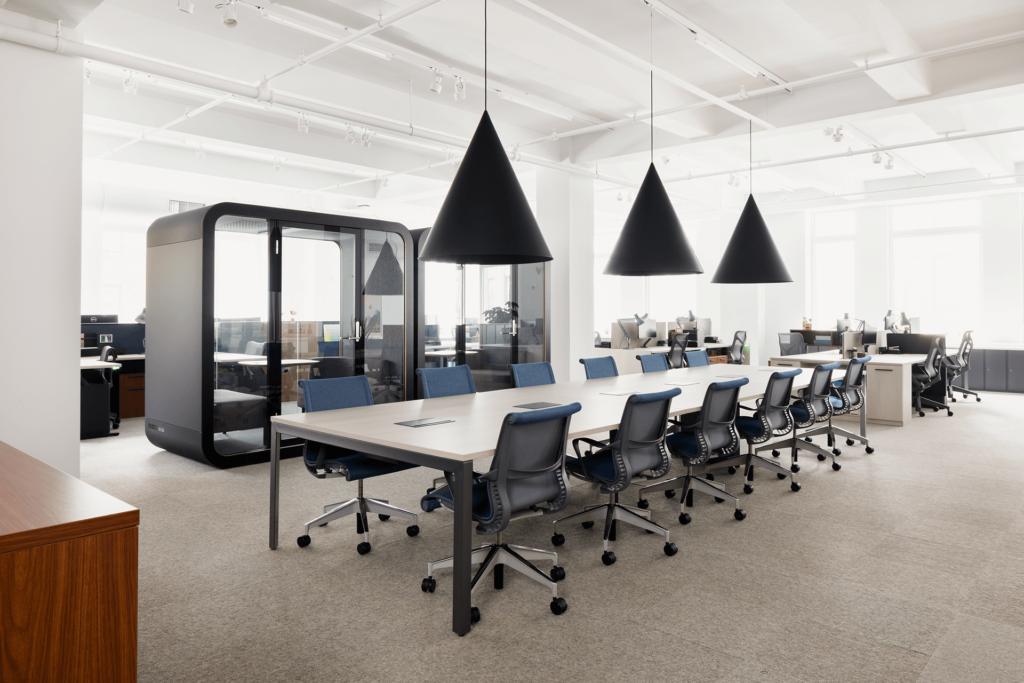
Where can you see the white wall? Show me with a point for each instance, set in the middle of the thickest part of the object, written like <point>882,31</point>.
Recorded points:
<point>40,266</point>
<point>1001,225</point>
<point>565,212</point>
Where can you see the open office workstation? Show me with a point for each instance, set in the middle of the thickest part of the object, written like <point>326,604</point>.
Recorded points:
<point>456,340</point>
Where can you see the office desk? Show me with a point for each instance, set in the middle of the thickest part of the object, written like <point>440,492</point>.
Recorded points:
<point>889,395</point>
<point>285,362</point>
<point>473,434</point>
<point>96,364</point>
<point>627,364</point>
<point>68,577</point>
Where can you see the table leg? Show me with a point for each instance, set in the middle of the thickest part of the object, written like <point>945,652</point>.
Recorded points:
<point>275,483</point>
<point>462,594</point>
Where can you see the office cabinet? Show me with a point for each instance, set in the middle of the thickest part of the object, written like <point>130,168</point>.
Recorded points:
<point>885,394</point>
<point>995,370</point>
<point>976,375</point>
<point>1015,371</point>
<point>132,395</point>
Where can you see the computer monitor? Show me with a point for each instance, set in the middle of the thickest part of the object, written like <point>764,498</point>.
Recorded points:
<point>849,325</point>
<point>646,328</point>
<point>99,318</point>
<point>332,332</point>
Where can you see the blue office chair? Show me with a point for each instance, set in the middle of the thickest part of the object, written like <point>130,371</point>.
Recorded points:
<point>638,447</point>
<point>441,382</point>
<point>712,441</point>
<point>531,374</point>
<point>327,462</point>
<point>527,472</point>
<point>771,419</point>
<point>848,394</point>
<point>599,368</point>
<point>653,362</point>
<point>696,359</point>
<point>815,404</point>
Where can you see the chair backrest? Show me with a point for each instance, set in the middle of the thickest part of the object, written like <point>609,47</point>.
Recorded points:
<point>328,348</point>
<point>966,346</point>
<point>931,363</point>
<point>736,349</point>
<point>676,359</point>
<point>716,430</point>
<point>255,348</point>
<point>696,359</point>
<point>640,442</point>
<point>774,407</point>
<point>791,343</point>
<point>108,355</point>
<point>598,368</point>
<point>531,374</point>
<point>816,398</point>
<point>851,387</point>
<point>528,467</point>
<point>440,382</point>
<point>336,392</point>
<point>654,362</point>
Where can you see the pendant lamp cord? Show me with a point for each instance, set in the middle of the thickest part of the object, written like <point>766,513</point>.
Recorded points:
<point>652,84</point>
<point>750,155</point>
<point>485,55</point>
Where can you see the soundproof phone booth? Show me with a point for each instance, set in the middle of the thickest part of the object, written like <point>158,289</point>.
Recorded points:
<point>244,301</point>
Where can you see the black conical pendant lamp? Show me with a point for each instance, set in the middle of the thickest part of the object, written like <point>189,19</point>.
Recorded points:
<point>652,241</point>
<point>485,218</point>
<point>386,278</point>
<point>751,256</point>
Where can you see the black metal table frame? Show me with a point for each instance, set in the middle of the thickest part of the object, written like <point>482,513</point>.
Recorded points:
<point>462,477</point>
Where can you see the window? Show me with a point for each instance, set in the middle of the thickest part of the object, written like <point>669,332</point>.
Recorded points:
<point>832,298</point>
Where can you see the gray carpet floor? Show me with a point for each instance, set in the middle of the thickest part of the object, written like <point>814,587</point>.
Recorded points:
<point>907,565</point>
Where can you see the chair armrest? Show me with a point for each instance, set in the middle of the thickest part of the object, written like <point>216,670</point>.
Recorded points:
<point>743,407</point>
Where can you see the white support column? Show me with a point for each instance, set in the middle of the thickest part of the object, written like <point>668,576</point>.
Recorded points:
<point>40,261</point>
<point>565,211</point>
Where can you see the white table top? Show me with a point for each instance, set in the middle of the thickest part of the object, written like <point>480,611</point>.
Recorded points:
<point>446,354</point>
<point>478,417</point>
<point>132,356</point>
<point>94,363</point>
<point>262,362</point>
<point>876,359</point>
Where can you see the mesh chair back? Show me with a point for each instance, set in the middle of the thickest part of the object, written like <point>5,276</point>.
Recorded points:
<point>528,467</point>
<point>736,350</point>
<point>331,394</point>
<point>717,426</point>
<point>851,387</point>
<point>441,382</point>
<point>966,347</point>
<point>641,438</point>
<point>696,359</point>
<point>816,398</point>
<point>598,368</point>
<point>675,353</point>
<point>255,348</point>
<point>531,374</point>
<point>653,362</point>
<point>791,343</point>
<point>774,408</point>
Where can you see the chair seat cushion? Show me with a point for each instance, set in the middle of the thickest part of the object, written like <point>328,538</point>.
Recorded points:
<point>357,465</point>
<point>683,443</point>
<point>749,427</point>
<point>600,466</point>
<point>481,500</point>
<point>837,403</point>
<point>799,412</point>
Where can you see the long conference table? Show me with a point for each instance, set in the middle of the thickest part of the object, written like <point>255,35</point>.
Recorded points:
<point>476,420</point>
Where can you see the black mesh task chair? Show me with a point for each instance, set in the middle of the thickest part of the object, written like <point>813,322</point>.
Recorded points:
<point>527,478</point>
<point>710,441</point>
<point>958,366</point>
<point>848,395</point>
<point>925,375</point>
<point>109,355</point>
<point>791,344</point>
<point>676,359</point>
<point>736,348</point>
<point>813,405</point>
<point>636,448</point>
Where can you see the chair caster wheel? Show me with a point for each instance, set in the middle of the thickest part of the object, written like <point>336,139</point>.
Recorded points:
<point>719,500</point>
<point>363,548</point>
<point>808,439</point>
<point>849,442</point>
<point>836,466</point>
<point>643,504</point>
<point>671,549</point>
<point>608,557</point>
<point>794,487</point>
<point>384,518</point>
<point>920,413</point>
<point>836,451</point>
<point>558,606</point>
<point>710,477</point>
<point>303,541</point>
<point>935,410</point>
<point>869,449</point>
<point>557,539</point>
<point>685,518</point>
<point>794,468</point>
<point>820,456</point>
<point>747,488</point>
<point>775,454</point>
<point>412,530</point>
<point>557,573</point>
<point>731,469</point>
<point>588,525</point>
<point>322,525</point>
<point>740,515</point>
<point>671,493</point>
<point>949,413</point>
<point>977,399</point>
<point>954,399</point>
<point>474,615</point>
<point>429,584</point>
<point>780,475</point>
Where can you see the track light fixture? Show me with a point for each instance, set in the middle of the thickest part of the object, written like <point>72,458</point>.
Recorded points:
<point>888,162</point>
<point>350,136</point>
<point>385,183</point>
<point>460,89</point>
<point>365,139</point>
<point>743,92</point>
<point>131,84</point>
<point>277,163</point>
<point>838,135</point>
<point>200,152</point>
<point>876,158</point>
<point>514,155</point>
<point>665,160</point>
<point>303,124</point>
<point>618,196</point>
<point>230,16</point>
<point>88,77</point>
<point>186,6</point>
<point>436,86</point>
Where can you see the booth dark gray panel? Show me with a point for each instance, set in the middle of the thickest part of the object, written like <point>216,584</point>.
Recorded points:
<point>995,370</point>
<point>1015,371</point>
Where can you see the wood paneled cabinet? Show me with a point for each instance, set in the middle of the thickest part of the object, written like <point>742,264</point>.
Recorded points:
<point>68,577</point>
<point>132,395</point>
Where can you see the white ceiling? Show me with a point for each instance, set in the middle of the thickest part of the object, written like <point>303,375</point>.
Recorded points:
<point>586,60</point>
